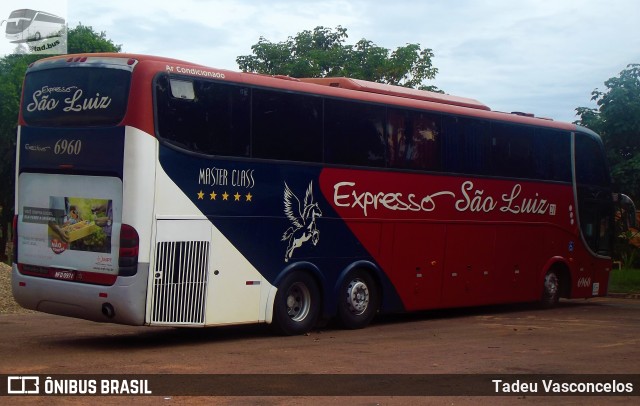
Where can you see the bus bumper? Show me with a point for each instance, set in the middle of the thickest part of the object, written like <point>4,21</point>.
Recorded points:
<point>122,303</point>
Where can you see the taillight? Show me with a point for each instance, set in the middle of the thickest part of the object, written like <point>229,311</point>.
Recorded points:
<point>15,239</point>
<point>129,243</point>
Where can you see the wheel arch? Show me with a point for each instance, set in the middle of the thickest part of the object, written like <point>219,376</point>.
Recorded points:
<point>300,266</point>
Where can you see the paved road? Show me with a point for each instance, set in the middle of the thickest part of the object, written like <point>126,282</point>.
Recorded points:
<point>599,336</point>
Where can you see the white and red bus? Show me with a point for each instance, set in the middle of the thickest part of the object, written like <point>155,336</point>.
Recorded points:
<point>27,25</point>
<point>153,191</point>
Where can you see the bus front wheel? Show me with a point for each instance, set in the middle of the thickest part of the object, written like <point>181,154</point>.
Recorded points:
<point>550,290</point>
<point>358,300</point>
<point>297,304</point>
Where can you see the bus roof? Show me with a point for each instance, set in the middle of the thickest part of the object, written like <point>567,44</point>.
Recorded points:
<point>400,91</point>
<point>340,87</point>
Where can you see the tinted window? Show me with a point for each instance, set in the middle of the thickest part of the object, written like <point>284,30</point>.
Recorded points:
<point>354,133</point>
<point>227,119</point>
<point>79,96</point>
<point>466,145</point>
<point>206,117</point>
<point>512,150</point>
<point>413,140</point>
<point>534,153</point>
<point>551,155</point>
<point>591,168</point>
<point>287,126</point>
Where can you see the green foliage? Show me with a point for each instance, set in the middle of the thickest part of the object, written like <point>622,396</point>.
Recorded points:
<point>625,280</point>
<point>81,39</point>
<point>12,70</point>
<point>323,53</point>
<point>624,250</point>
<point>617,120</point>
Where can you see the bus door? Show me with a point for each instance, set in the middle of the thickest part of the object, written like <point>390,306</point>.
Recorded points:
<point>595,214</point>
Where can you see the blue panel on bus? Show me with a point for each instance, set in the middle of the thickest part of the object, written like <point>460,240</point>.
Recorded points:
<point>86,150</point>
<point>274,213</point>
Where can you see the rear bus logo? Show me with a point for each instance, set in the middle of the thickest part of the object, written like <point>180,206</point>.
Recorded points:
<point>48,99</point>
<point>303,220</point>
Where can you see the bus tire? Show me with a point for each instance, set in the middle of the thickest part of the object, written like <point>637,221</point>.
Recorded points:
<point>550,290</point>
<point>297,304</point>
<point>358,300</point>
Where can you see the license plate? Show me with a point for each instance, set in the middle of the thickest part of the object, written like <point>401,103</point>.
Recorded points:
<point>65,275</point>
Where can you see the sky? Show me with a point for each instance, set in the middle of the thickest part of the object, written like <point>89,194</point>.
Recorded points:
<point>536,56</point>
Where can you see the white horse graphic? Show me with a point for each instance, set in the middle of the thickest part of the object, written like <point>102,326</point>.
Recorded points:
<point>303,221</point>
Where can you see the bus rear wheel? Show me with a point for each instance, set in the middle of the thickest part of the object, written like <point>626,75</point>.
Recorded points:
<point>550,290</point>
<point>358,300</point>
<point>297,304</point>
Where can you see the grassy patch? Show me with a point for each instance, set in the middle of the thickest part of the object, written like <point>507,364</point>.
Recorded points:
<point>625,280</point>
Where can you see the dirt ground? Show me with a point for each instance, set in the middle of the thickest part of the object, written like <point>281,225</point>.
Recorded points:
<point>598,336</point>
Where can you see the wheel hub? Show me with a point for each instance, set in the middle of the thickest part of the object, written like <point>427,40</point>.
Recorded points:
<point>357,296</point>
<point>551,284</point>
<point>298,301</point>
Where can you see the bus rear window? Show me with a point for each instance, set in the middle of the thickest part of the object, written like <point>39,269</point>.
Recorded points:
<point>75,97</point>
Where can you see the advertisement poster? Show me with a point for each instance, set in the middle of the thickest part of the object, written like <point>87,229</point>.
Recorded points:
<point>69,222</point>
<point>77,223</point>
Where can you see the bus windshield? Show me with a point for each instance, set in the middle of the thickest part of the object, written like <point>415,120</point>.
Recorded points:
<point>82,96</point>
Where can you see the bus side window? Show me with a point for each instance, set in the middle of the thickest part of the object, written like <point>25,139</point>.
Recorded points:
<point>413,140</point>
<point>590,163</point>
<point>512,151</point>
<point>203,116</point>
<point>550,147</point>
<point>286,126</point>
<point>354,133</point>
<point>466,145</point>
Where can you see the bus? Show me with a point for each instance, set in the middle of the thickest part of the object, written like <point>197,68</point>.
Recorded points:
<point>152,191</point>
<point>27,25</point>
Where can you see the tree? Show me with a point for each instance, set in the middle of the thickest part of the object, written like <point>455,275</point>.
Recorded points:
<point>81,39</point>
<point>617,120</point>
<point>323,53</point>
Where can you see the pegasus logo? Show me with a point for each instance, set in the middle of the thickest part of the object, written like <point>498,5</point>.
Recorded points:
<point>303,220</point>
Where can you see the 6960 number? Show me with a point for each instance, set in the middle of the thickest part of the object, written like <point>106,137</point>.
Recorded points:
<point>68,147</point>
